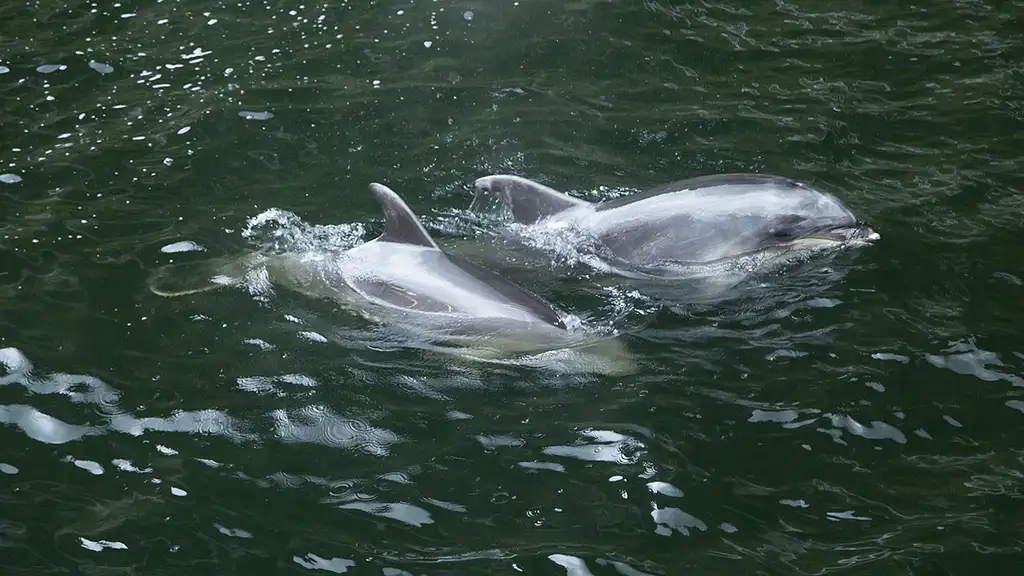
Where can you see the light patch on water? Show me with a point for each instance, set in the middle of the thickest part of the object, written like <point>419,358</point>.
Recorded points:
<point>43,427</point>
<point>888,356</point>
<point>314,562</point>
<point>8,469</point>
<point>664,488</point>
<point>97,546</point>
<point>233,532</point>
<point>535,465</point>
<point>318,424</point>
<point>256,115</point>
<point>669,519</point>
<point>401,511</point>
<point>183,246</point>
<point>492,442</point>
<point>967,359</point>
<point>621,567</point>
<point>127,466</point>
<point>573,566</point>
<point>88,465</point>
<point>270,384</point>
<point>847,515</point>
<point>263,344</point>
<point>788,418</point>
<point>10,178</point>
<point>876,431</point>
<point>313,336</point>
<point>101,67</point>
<point>613,447</point>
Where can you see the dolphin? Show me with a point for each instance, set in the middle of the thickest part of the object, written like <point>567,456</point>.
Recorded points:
<point>699,227</point>
<point>404,279</point>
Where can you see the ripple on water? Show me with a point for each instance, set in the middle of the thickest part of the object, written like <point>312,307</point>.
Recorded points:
<point>610,447</point>
<point>318,424</point>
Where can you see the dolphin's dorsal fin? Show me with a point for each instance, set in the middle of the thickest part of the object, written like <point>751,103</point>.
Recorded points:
<point>530,201</point>
<point>400,224</point>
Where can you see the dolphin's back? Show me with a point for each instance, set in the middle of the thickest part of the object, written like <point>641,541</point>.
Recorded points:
<point>710,217</point>
<point>419,279</point>
<point>512,293</point>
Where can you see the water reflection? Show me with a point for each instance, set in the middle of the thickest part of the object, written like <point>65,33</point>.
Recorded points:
<point>852,417</point>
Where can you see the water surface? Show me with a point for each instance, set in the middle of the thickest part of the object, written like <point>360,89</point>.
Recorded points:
<point>858,416</point>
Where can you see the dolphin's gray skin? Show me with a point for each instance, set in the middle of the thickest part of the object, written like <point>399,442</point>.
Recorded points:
<point>403,278</point>
<point>696,227</point>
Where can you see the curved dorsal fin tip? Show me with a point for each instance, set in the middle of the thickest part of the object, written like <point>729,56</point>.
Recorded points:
<point>530,201</point>
<point>400,223</point>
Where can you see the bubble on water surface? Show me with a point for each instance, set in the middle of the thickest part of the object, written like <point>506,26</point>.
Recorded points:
<point>10,178</point>
<point>8,469</point>
<point>49,68</point>
<point>4,69</point>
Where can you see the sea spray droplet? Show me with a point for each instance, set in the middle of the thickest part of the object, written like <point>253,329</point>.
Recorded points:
<point>428,43</point>
<point>101,67</point>
<point>467,15</point>
<point>256,115</point>
<point>10,178</point>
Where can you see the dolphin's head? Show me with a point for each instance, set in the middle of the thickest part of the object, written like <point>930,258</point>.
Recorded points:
<point>810,231</point>
<point>809,219</point>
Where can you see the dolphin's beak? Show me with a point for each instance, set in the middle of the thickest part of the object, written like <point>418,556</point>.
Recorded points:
<point>854,235</point>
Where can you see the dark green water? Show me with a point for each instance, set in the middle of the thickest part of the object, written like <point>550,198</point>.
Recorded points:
<point>865,421</point>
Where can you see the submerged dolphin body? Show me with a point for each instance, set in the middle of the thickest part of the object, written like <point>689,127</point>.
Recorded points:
<point>404,279</point>
<point>700,227</point>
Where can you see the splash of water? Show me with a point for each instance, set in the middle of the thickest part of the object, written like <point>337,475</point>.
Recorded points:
<point>283,231</point>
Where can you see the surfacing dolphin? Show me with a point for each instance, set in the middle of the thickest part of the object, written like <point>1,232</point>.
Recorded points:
<point>404,279</point>
<point>704,226</point>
